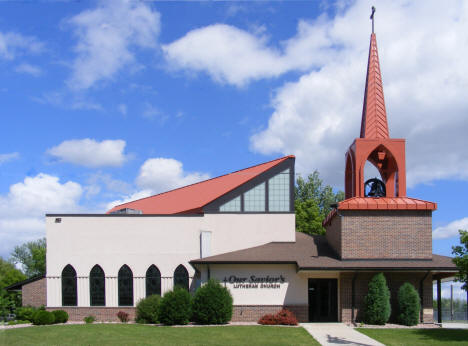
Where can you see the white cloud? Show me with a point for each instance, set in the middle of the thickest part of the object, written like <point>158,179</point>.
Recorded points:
<point>106,36</point>
<point>451,229</point>
<point>29,69</point>
<point>13,44</point>
<point>163,174</point>
<point>66,100</point>
<point>8,157</point>
<point>425,82</point>
<point>22,210</point>
<point>128,198</point>
<point>90,153</point>
<point>122,109</point>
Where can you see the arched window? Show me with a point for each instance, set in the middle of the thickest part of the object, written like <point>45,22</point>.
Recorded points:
<point>125,286</point>
<point>153,281</point>
<point>181,277</point>
<point>69,296</point>
<point>97,286</point>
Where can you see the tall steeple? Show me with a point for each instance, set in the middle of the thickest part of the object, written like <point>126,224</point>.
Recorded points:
<point>374,144</point>
<point>374,116</point>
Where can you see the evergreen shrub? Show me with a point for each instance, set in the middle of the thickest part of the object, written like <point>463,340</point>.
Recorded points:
<point>409,305</point>
<point>377,301</point>
<point>147,309</point>
<point>176,307</point>
<point>43,317</point>
<point>25,313</point>
<point>61,316</point>
<point>212,304</point>
<point>89,319</point>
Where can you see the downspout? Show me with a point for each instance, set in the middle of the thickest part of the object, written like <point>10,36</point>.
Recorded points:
<point>421,296</point>
<point>353,297</point>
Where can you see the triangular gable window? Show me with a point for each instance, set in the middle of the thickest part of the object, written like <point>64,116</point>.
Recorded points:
<point>233,205</point>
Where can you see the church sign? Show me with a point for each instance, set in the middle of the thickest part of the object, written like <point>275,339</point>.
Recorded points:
<point>255,281</point>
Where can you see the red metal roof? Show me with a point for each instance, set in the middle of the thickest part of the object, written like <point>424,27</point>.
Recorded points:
<point>192,198</point>
<point>385,203</point>
<point>374,116</point>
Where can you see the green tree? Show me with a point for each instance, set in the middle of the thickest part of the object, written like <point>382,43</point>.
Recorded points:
<point>377,301</point>
<point>461,258</point>
<point>409,305</point>
<point>32,257</point>
<point>9,275</point>
<point>313,202</point>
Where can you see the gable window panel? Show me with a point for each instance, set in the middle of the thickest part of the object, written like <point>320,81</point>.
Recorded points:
<point>69,290</point>
<point>181,277</point>
<point>278,192</point>
<point>97,286</point>
<point>232,205</point>
<point>153,281</point>
<point>125,286</point>
<point>254,199</point>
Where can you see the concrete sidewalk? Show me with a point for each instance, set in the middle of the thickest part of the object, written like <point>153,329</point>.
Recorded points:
<point>338,334</point>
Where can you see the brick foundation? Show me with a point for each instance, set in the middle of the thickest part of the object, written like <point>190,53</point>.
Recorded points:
<point>104,314</point>
<point>252,313</point>
<point>34,293</point>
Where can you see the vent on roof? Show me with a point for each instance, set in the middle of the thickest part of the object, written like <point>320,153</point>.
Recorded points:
<point>127,211</point>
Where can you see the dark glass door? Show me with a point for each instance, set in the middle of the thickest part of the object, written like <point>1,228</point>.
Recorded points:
<point>323,300</point>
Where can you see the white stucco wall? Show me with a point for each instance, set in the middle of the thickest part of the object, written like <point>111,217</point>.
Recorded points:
<point>139,241</point>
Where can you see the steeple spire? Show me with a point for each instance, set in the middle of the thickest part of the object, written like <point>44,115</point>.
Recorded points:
<point>374,116</point>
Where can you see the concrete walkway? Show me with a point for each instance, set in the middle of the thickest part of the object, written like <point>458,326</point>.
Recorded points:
<point>338,334</point>
<point>452,325</point>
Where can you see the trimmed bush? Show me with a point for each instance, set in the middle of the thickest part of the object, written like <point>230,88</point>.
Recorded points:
<point>89,319</point>
<point>409,305</point>
<point>176,307</point>
<point>283,317</point>
<point>25,313</point>
<point>377,301</point>
<point>212,304</point>
<point>43,317</point>
<point>147,309</point>
<point>61,316</point>
<point>122,316</point>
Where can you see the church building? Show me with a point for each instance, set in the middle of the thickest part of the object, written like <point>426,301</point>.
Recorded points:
<point>239,228</point>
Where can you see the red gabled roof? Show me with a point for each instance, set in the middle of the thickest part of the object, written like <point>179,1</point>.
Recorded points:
<point>192,198</point>
<point>374,116</point>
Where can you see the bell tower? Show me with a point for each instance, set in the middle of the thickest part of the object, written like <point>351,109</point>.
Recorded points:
<point>374,144</point>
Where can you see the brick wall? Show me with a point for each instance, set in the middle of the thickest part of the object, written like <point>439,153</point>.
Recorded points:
<point>34,293</point>
<point>104,314</point>
<point>382,234</point>
<point>252,313</point>
<point>394,281</point>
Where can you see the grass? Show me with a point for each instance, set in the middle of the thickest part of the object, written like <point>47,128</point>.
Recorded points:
<point>134,334</point>
<point>415,337</point>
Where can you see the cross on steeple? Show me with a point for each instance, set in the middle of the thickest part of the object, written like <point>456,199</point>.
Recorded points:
<point>372,18</point>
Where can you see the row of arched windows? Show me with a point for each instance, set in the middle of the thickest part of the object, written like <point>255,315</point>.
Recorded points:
<point>97,284</point>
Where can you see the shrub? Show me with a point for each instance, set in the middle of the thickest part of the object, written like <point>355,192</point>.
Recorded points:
<point>61,316</point>
<point>284,317</point>
<point>212,304</point>
<point>147,309</point>
<point>12,323</point>
<point>43,317</point>
<point>176,307</point>
<point>89,319</point>
<point>123,316</point>
<point>377,301</point>
<point>408,305</point>
<point>25,313</point>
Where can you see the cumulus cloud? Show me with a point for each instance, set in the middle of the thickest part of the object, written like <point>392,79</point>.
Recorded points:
<point>128,198</point>
<point>451,229</point>
<point>29,69</point>
<point>163,174</point>
<point>13,44</point>
<point>8,157</point>
<point>23,208</point>
<point>90,153</point>
<point>107,36</point>
<point>425,80</point>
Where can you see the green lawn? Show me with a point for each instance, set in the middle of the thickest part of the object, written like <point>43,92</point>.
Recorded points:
<point>134,334</point>
<point>415,337</point>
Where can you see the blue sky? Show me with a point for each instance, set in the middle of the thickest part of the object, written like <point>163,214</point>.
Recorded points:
<point>105,101</point>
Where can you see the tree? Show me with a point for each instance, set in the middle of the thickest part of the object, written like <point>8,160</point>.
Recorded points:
<point>408,305</point>
<point>32,257</point>
<point>377,301</point>
<point>9,275</point>
<point>461,258</point>
<point>313,202</point>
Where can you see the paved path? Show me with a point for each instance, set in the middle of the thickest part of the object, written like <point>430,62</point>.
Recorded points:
<point>452,325</point>
<point>338,334</point>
